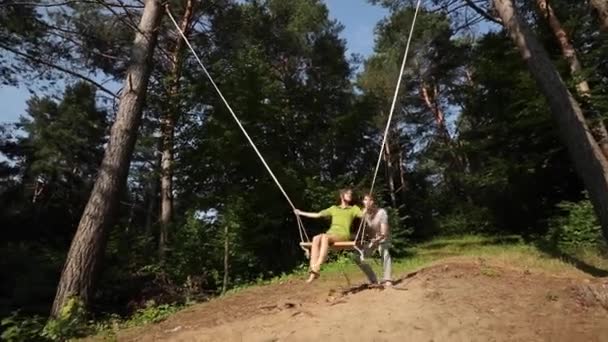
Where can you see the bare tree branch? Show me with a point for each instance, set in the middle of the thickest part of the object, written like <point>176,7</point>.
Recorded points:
<point>37,4</point>
<point>76,43</point>
<point>468,23</point>
<point>130,23</point>
<point>59,4</point>
<point>59,68</point>
<point>125,9</point>
<point>482,12</point>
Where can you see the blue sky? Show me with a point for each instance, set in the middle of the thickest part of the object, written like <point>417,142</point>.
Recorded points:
<point>358,17</point>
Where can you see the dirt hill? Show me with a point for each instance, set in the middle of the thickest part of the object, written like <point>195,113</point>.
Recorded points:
<point>457,299</point>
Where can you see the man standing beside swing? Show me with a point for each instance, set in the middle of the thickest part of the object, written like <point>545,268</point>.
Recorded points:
<point>377,221</point>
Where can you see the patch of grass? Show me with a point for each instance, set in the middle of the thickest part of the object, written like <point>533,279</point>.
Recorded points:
<point>489,272</point>
<point>152,314</point>
<point>106,329</point>
<point>284,277</point>
<point>508,250</point>
<point>505,250</point>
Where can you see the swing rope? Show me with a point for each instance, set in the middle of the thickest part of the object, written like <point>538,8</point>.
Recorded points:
<point>301,229</point>
<point>361,230</point>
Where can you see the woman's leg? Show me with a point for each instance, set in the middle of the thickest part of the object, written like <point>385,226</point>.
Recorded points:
<point>326,239</point>
<point>314,256</point>
<point>314,250</point>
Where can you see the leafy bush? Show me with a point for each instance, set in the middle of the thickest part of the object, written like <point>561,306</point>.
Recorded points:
<point>17,328</point>
<point>71,322</point>
<point>465,219</point>
<point>576,227</point>
<point>30,272</point>
<point>152,313</point>
<point>401,233</point>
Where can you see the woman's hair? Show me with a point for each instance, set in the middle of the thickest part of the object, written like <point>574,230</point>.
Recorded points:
<point>344,190</point>
<point>341,192</point>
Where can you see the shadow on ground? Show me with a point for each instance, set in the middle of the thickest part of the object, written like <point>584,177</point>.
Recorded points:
<point>573,260</point>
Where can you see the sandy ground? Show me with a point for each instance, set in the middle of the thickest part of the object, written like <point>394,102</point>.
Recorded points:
<point>453,301</point>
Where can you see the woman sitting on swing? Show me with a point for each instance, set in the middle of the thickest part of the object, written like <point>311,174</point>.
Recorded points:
<point>342,216</point>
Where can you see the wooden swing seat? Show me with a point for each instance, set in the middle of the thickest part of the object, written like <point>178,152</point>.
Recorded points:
<point>340,245</point>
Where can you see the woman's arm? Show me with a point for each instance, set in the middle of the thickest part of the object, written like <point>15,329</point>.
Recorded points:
<point>359,213</point>
<point>307,214</point>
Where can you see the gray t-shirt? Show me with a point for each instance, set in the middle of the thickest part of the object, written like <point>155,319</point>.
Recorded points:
<point>374,222</point>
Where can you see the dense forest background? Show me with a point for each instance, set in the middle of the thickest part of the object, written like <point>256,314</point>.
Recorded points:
<point>482,141</point>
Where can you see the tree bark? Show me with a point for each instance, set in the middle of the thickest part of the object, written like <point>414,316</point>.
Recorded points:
<point>601,6</point>
<point>151,209</point>
<point>429,97</point>
<point>388,158</point>
<point>589,162</point>
<point>86,251</point>
<point>226,254</point>
<point>168,121</point>
<point>569,53</point>
<point>565,45</point>
<point>402,186</point>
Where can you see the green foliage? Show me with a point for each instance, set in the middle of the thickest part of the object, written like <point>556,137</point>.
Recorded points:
<point>518,168</point>
<point>30,272</point>
<point>197,249</point>
<point>286,75</point>
<point>300,271</point>
<point>71,322</point>
<point>152,313</point>
<point>22,329</point>
<point>401,232</point>
<point>65,138</point>
<point>191,247</point>
<point>21,29</point>
<point>575,227</point>
<point>56,159</point>
<point>498,165</point>
<point>465,219</point>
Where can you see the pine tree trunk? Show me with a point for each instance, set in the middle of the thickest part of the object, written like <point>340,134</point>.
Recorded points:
<point>86,252</point>
<point>388,158</point>
<point>226,254</point>
<point>166,184</point>
<point>152,197</point>
<point>589,162</point>
<point>168,121</point>
<point>601,6</point>
<point>430,99</point>
<point>565,45</point>
<point>402,186</point>
<point>597,126</point>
